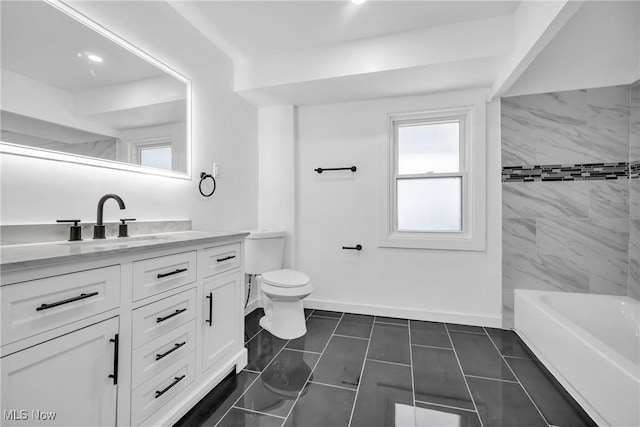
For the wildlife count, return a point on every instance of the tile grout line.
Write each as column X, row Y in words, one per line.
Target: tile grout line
column 364, row 362
column 506, row 356
column 304, row 351
column 413, row 385
column 349, row 336
column 312, row 369
column 446, row 406
column 390, row 363
column 433, row 346
column 257, row 412
column 519, row 382
column 325, row 317
column 391, row 323
column 256, row 334
column 467, row 332
column 238, row 399
column 492, row 379
column 252, row 383
column 332, row 385
column 455, row 352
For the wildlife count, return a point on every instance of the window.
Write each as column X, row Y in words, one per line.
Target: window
column 158, row 157
column 435, row 181
column 429, row 175
column 154, row 153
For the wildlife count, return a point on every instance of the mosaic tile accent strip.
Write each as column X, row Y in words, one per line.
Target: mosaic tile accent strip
column 577, row 172
column 634, row 169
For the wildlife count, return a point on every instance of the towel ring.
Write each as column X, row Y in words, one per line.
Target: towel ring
column 203, row 176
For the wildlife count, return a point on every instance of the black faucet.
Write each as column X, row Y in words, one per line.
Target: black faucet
column 98, row 230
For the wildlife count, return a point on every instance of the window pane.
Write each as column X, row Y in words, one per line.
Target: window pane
column 156, row 157
column 429, row 148
column 430, row 204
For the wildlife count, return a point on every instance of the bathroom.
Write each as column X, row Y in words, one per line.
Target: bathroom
column 275, row 95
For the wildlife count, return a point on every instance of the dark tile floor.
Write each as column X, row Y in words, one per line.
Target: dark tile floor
column 356, row 370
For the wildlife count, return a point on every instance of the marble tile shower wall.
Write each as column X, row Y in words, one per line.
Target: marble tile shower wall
column 634, row 192
column 573, row 236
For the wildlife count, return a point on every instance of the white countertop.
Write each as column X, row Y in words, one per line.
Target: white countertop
column 13, row 257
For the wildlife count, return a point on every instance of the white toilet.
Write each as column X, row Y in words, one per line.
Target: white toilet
column 282, row 290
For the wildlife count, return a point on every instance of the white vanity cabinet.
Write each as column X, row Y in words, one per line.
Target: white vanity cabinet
column 222, row 284
column 221, row 331
column 67, row 381
column 130, row 337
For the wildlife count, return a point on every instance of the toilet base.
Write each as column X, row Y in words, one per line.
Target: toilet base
column 284, row 319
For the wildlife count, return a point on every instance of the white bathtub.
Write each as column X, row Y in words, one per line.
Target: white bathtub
column 591, row 344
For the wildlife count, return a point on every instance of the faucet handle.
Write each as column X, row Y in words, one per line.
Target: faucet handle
column 123, row 229
column 75, row 231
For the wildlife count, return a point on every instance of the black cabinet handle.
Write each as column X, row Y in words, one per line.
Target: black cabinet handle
column 210, row 298
column 168, row 352
column 116, row 341
column 179, row 270
column 164, row 390
column 169, row 316
column 226, row 258
column 356, row 247
column 66, row 301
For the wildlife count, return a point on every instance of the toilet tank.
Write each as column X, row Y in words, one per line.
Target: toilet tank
column 263, row 251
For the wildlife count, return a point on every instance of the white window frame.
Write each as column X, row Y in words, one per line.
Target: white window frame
column 471, row 112
column 137, row 145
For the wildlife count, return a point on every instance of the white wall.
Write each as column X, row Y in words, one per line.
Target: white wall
column 276, row 176
column 599, row 46
column 32, row 98
column 224, row 130
column 340, row 208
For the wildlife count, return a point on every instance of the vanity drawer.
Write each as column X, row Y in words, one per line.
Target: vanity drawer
column 220, row 258
column 155, row 393
column 156, row 319
column 36, row 306
column 155, row 275
column 157, row 355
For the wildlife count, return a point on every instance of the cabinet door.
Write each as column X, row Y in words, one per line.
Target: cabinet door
column 65, row 381
column 221, row 317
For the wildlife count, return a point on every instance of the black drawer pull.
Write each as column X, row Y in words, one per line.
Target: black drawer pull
column 179, row 270
column 66, row 301
column 210, row 298
column 116, row 341
column 169, row 316
column 168, row 352
column 163, row 391
column 226, row 258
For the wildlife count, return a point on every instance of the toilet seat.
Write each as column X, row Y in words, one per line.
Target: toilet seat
column 285, row 278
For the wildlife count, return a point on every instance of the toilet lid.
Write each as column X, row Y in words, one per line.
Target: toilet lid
column 285, row 278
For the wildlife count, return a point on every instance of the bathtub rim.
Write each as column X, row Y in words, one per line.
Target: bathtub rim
column 531, row 300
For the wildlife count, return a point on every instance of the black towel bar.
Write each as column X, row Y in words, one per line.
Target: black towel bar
column 352, row 169
column 356, row 247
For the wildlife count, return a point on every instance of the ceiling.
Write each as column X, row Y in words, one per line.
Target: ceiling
column 246, row 29
column 44, row 44
column 304, row 52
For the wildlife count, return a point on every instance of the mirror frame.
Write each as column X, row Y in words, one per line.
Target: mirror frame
column 42, row 153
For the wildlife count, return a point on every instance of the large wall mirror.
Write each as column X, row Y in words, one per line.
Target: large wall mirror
column 73, row 91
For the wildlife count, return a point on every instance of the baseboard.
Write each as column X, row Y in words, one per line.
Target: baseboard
column 433, row 316
column 253, row 304
column 181, row 404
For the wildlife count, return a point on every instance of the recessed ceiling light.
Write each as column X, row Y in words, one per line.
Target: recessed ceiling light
column 94, row 58
column 358, row 1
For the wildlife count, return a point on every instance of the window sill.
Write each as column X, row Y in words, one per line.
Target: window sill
column 436, row 241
